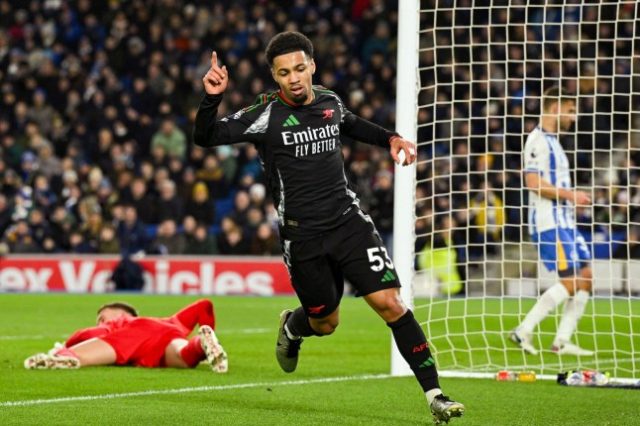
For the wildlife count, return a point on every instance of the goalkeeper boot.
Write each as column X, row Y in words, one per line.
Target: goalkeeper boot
column 216, row 356
column 287, row 349
column 443, row 409
column 566, row 348
column 50, row 361
column 523, row 340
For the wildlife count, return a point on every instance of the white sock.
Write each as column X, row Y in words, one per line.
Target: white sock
column 549, row 300
column 432, row 393
column 573, row 311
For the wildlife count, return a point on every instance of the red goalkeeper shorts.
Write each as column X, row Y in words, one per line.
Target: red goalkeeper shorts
column 142, row 341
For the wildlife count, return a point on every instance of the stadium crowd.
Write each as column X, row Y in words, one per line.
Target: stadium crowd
column 97, row 106
column 98, row 100
column 485, row 69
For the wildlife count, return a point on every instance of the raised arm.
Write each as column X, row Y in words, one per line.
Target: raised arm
column 208, row 130
column 216, row 79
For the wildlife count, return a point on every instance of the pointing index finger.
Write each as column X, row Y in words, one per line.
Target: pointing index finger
column 214, row 59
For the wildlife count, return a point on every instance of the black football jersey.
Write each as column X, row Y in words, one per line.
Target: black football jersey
column 300, row 149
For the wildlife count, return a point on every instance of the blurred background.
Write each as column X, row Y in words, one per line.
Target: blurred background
column 483, row 69
column 97, row 106
column 98, row 100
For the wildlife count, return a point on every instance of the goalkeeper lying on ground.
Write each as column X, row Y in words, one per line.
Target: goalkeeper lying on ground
column 123, row 338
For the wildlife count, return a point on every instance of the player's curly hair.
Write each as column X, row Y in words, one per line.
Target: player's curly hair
column 287, row 42
column 119, row 305
column 556, row 94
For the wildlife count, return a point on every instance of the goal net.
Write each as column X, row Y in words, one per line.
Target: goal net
column 482, row 68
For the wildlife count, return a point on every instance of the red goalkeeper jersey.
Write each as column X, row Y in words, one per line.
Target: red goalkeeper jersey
column 142, row 341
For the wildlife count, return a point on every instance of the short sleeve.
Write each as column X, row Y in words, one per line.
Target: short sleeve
column 536, row 155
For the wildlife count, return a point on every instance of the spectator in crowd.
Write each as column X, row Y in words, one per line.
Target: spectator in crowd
column 41, row 113
column 39, row 227
column 214, row 176
column 200, row 206
column 143, row 201
column 254, row 218
column 43, row 195
column 168, row 240
column 228, row 163
column 241, row 203
column 108, row 242
column 252, row 166
column 169, row 205
column 265, row 242
column 131, row 233
column 28, row 166
column 79, row 244
column 92, row 227
column 50, row 165
column 188, row 227
column 186, row 179
column 106, row 197
column 201, row 243
column 257, row 194
column 62, row 222
column 19, row 239
column 171, row 138
column 87, row 206
column 11, row 183
column 49, row 246
column 381, row 206
column 232, row 240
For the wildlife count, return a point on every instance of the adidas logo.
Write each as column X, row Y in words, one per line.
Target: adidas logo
column 428, row 363
column 388, row 276
column 291, row 121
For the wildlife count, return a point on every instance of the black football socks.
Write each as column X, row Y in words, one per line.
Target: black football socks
column 298, row 324
column 414, row 348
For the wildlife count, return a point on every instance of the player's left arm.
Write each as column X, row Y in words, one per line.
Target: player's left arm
column 363, row 130
column 86, row 334
column 536, row 163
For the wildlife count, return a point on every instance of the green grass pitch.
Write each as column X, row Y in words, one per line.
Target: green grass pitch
column 255, row 391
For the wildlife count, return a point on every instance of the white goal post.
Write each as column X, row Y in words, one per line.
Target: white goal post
column 407, row 87
column 469, row 79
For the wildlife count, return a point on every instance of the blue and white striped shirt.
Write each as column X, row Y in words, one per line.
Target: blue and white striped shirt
column 544, row 155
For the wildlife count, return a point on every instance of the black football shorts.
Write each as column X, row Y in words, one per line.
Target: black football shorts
column 318, row 266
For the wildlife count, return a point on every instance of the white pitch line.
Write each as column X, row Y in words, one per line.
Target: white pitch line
column 31, row 337
column 246, row 331
column 192, row 389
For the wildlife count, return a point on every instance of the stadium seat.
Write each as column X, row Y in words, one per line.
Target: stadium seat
column 151, row 231
column 223, row 207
